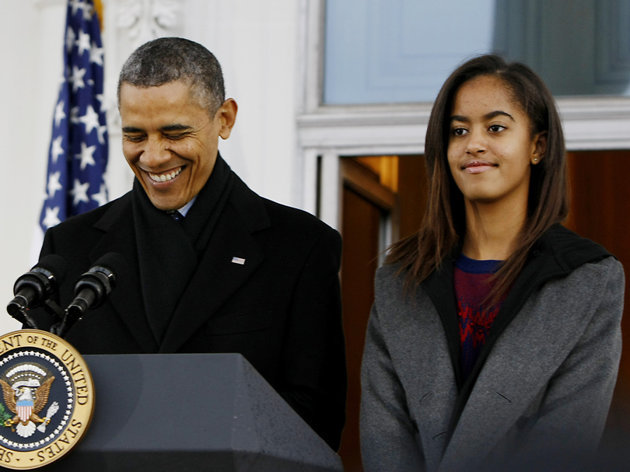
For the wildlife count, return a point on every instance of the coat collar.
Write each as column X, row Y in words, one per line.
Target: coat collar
column 557, row 253
column 119, row 237
column 215, row 280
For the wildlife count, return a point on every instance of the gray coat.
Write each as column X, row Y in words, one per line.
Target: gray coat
column 543, row 388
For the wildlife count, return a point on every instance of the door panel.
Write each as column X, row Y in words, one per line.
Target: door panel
column 377, row 191
column 600, row 210
column 361, row 222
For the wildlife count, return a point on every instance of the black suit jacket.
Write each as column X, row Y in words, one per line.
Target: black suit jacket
column 280, row 309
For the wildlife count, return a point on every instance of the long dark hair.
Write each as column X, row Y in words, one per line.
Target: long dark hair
column 444, row 222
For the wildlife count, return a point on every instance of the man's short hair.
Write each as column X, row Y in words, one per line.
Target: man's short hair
column 165, row 60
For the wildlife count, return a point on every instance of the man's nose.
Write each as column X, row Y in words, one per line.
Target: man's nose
column 155, row 153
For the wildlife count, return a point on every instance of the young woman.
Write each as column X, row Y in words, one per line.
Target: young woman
column 495, row 336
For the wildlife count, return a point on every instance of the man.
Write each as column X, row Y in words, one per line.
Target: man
column 239, row 274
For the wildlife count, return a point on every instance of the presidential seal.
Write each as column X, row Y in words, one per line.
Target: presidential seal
column 47, row 398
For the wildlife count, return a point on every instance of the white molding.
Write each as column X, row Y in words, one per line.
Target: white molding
column 309, row 185
column 365, row 130
column 331, row 187
column 590, row 123
column 594, row 123
column 311, row 73
column 593, row 107
column 143, row 20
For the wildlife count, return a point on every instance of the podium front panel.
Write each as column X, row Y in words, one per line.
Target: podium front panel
column 192, row 412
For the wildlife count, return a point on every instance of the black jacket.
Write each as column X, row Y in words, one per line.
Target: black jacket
column 280, row 308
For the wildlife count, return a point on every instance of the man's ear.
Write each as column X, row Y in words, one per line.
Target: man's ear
column 227, row 114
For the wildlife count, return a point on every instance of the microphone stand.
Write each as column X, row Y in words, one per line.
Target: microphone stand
column 21, row 314
column 25, row 318
column 61, row 328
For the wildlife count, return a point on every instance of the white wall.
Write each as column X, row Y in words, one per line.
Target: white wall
column 256, row 43
column 28, row 88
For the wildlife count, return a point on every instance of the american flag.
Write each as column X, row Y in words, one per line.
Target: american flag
column 77, row 158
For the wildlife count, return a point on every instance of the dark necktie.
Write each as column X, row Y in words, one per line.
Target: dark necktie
column 176, row 215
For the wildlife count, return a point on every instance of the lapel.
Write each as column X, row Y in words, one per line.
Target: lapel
column 434, row 380
column 218, row 274
column 439, row 288
column 126, row 298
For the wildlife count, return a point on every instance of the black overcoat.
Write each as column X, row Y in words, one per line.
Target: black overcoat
column 266, row 286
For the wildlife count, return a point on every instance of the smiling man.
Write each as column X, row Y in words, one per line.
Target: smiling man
column 239, row 273
column 170, row 137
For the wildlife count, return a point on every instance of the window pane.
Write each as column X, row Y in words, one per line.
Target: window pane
column 393, row 51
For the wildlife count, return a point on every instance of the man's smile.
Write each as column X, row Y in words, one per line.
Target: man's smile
column 166, row 176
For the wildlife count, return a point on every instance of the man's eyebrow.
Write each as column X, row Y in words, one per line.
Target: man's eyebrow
column 176, row 127
column 131, row 129
column 167, row 128
column 487, row 116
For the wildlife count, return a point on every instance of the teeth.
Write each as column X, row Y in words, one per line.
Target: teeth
column 165, row 177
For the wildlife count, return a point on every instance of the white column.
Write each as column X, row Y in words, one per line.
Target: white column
column 330, row 196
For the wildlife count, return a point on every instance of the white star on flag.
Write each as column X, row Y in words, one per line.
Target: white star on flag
column 70, row 37
column 101, row 196
column 74, row 115
column 77, row 5
column 96, row 55
column 51, row 218
column 87, row 155
column 54, row 184
column 59, row 114
column 101, row 134
column 90, row 119
column 79, row 192
column 57, row 149
column 77, row 78
column 83, row 43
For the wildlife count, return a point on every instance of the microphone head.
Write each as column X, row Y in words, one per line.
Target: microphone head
column 54, row 264
column 112, row 261
column 107, row 269
column 97, row 283
column 45, row 275
column 36, row 286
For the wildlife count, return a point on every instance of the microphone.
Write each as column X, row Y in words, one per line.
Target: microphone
column 36, row 287
column 92, row 288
